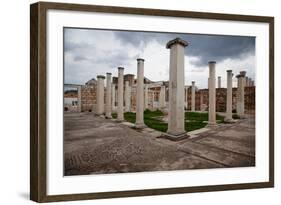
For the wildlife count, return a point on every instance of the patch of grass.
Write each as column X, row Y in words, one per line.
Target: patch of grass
column 190, row 126
column 151, row 119
column 156, row 113
column 196, row 116
column 196, row 120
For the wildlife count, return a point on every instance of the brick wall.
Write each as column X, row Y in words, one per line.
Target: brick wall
column 88, row 100
column 88, row 97
column 202, row 97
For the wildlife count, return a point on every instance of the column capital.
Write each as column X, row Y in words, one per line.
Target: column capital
column 243, row 73
column 101, row 76
column 229, row 71
column 140, row 59
column 193, row 82
column 120, row 68
column 177, row 41
column 239, row 76
column 212, row 62
column 108, row 73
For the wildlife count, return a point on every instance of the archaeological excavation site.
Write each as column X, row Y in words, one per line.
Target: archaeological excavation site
column 140, row 119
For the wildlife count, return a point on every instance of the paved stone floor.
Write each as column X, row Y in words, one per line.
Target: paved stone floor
column 96, row 145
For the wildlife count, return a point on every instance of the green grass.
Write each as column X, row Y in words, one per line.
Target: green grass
column 195, row 116
column 151, row 119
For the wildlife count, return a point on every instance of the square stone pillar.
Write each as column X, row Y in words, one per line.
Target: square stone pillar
column 113, row 87
column 176, row 128
column 228, row 117
column 79, row 88
column 219, row 81
column 120, row 108
column 193, row 97
column 162, row 102
column 212, row 94
column 241, row 94
column 100, row 95
column 108, row 106
column 140, row 95
column 127, row 97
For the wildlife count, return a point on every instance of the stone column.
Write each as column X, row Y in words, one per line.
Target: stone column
column 108, row 106
column 120, row 108
column 201, row 101
column 212, row 93
column 176, row 128
column 228, row 117
column 127, row 97
column 247, row 82
column 139, row 103
column 113, row 96
column 186, row 97
column 219, row 81
column 152, row 99
column 100, row 95
column 146, row 96
column 240, row 94
column 193, row 97
column 79, row 98
column 250, row 82
column 162, row 97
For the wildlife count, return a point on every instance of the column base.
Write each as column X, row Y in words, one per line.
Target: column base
column 139, row 125
column 229, row 121
column 99, row 115
column 175, row 137
column 108, row 117
column 242, row 117
column 119, row 120
column 212, row 124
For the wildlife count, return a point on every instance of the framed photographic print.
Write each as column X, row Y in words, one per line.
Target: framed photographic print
column 134, row 102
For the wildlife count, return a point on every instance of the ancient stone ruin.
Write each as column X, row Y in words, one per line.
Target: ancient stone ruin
column 127, row 93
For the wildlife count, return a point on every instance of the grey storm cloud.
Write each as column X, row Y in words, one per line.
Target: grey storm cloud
column 205, row 47
column 116, row 58
column 72, row 46
column 91, row 51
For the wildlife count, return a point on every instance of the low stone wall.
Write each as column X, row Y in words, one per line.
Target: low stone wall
column 202, row 97
column 88, row 99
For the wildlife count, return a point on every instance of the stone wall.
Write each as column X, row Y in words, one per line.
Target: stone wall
column 88, row 97
column 202, row 98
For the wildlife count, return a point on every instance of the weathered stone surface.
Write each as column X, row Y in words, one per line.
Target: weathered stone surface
column 94, row 145
column 212, row 94
column 176, row 88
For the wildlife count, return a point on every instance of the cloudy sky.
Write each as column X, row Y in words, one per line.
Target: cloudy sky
column 91, row 52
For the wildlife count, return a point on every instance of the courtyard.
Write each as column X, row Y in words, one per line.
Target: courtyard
column 94, row 145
